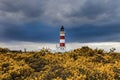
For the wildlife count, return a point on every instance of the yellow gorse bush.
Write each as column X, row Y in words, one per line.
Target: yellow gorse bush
column 80, row 64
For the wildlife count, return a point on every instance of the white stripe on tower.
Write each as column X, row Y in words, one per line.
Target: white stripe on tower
column 62, row 40
column 62, row 34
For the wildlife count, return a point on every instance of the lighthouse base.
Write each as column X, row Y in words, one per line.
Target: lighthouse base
column 61, row 49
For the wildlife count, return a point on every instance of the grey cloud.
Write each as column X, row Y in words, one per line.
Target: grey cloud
column 32, row 33
column 71, row 13
column 95, row 12
column 22, row 11
column 28, row 6
column 92, row 33
column 57, row 12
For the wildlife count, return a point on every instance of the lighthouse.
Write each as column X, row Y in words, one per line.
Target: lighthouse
column 62, row 47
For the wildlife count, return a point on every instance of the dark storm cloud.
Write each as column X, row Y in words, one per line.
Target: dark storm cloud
column 91, row 33
column 67, row 12
column 36, row 20
column 95, row 12
column 32, row 33
column 84, row 33
column 29, row 8
column 92, row 10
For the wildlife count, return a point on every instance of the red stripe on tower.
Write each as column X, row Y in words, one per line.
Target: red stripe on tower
column 62, row 44
column 62, row 38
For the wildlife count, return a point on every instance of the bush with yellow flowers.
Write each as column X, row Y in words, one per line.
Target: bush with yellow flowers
column 80, row 64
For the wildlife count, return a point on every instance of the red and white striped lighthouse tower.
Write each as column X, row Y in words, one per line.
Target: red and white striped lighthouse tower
column 62, row 40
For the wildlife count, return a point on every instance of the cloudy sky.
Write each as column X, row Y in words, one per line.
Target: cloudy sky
column 35, row 23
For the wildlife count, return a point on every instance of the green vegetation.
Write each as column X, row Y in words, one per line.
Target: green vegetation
column 80, row 64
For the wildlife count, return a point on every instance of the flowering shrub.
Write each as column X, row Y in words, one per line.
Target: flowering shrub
column 80, row 64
